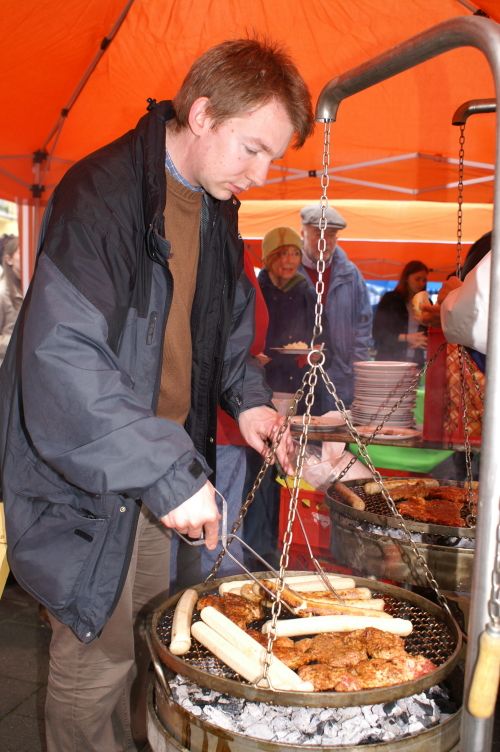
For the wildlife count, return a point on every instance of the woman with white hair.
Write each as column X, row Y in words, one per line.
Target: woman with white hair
column 10, row 290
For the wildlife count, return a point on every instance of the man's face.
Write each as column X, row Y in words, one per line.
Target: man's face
column 237, row 154
column 311, row 235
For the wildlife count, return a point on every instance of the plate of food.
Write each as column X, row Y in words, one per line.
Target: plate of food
column 333, row 419
column 296, row 348
column 389, row 433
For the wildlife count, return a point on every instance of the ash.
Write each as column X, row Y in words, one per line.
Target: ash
column 366, row 724
column 437, row 540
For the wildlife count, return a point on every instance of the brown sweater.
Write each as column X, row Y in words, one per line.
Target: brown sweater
column 182, row 223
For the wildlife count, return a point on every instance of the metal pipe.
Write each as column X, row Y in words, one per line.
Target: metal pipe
column 473, row 107
column 476, row 734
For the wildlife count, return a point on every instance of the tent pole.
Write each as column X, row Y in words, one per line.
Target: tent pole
column 476, row 733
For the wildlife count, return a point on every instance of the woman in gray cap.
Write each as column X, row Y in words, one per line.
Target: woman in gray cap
column 290, row 304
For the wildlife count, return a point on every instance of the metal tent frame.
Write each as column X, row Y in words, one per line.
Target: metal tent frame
column 483, row 34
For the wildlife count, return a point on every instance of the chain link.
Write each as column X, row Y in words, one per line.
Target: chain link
column 400, row 521
column 460, row 198
column 467, row 511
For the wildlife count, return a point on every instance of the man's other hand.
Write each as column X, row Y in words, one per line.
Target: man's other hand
column 259, row 426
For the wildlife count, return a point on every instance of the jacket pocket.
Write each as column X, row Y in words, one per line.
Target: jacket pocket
column 53, row 555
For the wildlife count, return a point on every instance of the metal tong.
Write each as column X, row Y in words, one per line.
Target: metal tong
column 319, row 569
column 225, row 539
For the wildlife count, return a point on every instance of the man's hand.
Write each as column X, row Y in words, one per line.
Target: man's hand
column 196, row 514
column 259, row 426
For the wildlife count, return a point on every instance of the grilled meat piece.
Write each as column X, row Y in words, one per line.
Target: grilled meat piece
column 434, row 511
column 240, row 610
column 324, row 678
column 284, row 648
column 407, row 490
column 341, row 662
column 335, row 651
column 453, row 493
column 413, row 666
column 383, row 645
column 376, row 672
column 439, row 506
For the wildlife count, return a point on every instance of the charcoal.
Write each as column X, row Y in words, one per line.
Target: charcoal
column 304, row 726
column 261, row 730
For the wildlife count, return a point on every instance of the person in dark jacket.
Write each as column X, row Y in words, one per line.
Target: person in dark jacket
column 345, row 299
column 397, row 335
column 137, row 323
column 290, row 304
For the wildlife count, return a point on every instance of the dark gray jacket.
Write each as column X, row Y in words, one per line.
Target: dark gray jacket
column 80, row 445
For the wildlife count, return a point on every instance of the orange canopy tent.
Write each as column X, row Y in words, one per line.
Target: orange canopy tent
column 75, row 75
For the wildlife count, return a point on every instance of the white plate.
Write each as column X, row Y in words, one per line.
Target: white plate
column 384, row 365
column 293, row 351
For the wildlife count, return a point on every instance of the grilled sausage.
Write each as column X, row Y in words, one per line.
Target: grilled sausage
column 180, row 642
column 317, row 624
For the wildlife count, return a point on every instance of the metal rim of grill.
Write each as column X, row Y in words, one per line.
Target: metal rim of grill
column 378, row 512
column 435, row 634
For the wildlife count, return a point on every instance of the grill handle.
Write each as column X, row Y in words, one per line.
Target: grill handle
column 484, row 684
column 157, row 665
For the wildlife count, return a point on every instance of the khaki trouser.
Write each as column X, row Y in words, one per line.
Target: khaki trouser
column 96, row 693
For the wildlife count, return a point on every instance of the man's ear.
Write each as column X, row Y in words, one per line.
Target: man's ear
column 199, row 119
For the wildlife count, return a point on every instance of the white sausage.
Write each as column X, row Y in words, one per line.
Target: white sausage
column 307, row 583
column 316, row 624
column 248, row 663
column 180, row 639
column 279, row 672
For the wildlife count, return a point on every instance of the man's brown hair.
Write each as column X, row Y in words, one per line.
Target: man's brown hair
column 243, row 74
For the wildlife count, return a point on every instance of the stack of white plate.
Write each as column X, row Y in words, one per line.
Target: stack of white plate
column 378, row 385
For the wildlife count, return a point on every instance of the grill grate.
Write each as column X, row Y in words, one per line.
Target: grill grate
column 435, row 635
column 430, row 637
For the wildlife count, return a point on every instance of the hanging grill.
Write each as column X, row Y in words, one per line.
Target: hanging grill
column 369, row 541
column 435, row 635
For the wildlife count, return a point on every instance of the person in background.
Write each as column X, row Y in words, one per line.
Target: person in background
column 463, row 303
column 138, row 323
column 11, row 296
column 347, row 309
column 290, row 303
column 397, row 335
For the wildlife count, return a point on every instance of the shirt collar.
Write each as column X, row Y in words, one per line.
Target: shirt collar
column 172, row 170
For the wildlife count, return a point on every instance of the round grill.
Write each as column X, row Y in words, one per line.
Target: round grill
column 435, row 635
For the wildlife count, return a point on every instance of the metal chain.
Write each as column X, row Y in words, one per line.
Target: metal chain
column 460, row 197
column 316, row 361
column 469, row 363
column 392, row 506
column 467, row 511
column 320, row 264
column 311, row 379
